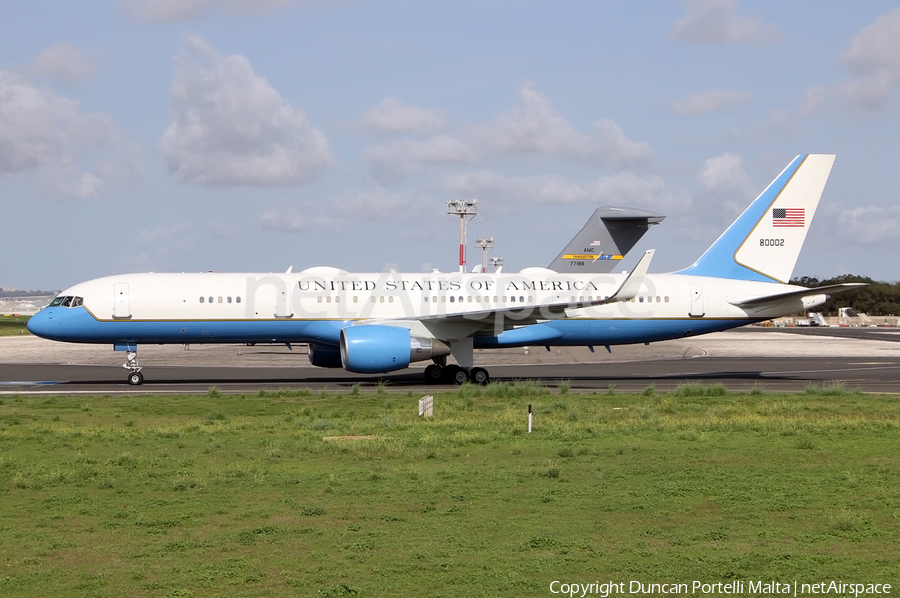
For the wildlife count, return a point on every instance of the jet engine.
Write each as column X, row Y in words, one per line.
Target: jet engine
column 372, row 349
column 325, row 356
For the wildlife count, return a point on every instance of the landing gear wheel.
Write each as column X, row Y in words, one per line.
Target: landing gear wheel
column 479, row 376
column 456, row 375
column 135, row 378
column 434, row 374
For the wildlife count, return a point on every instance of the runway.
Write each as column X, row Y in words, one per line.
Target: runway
column 867, row 359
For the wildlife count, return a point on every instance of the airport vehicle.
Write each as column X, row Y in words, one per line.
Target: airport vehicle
column 382, row 322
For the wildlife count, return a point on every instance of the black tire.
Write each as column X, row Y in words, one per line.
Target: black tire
column 434, row 374
column 135, row 378
column 479, row 376
column 457, row 375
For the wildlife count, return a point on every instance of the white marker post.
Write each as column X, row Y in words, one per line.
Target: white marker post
column 529, row 418
column 426, row 406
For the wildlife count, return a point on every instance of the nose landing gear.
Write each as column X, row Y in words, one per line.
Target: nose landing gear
column 135, row 377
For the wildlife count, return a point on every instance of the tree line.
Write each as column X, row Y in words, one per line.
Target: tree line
column 876, row 299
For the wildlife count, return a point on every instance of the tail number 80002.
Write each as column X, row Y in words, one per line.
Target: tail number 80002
column 771, row 242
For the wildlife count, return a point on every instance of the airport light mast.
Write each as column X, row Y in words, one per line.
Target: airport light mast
column 466, row 209
column 496, row 262
column 486, row 244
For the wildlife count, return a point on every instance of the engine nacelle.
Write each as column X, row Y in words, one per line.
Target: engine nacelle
column 373, row 349
column 325, row 356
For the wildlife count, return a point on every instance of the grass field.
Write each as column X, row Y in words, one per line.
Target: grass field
column 225, row 495
column 13, row 325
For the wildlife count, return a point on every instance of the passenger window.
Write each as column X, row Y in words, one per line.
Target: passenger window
column 667, row 299
column 327, row 299
column 318, row 300
column 381, row 299
column 210, row 299
column 391, row 299
column 640, row 299
column 202, row 300
column 237, row 299
column 220, row 300
column 355, row 299
column 470, row 298
column 337, row 299
column 227, row 299
column 513, row 299
column 521, row 299
column 452, row 298
column 434, row 299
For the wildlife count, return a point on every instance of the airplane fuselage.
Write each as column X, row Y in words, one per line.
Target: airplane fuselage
column 314, row 305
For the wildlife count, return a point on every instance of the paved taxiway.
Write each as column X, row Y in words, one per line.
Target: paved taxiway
column 774, row 359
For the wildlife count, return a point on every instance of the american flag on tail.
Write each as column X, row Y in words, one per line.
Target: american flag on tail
column 788, row 217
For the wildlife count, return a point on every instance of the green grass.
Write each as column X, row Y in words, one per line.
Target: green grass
column 218, row 494
column 13, row 325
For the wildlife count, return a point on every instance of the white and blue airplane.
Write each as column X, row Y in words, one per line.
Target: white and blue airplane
column 382, row 322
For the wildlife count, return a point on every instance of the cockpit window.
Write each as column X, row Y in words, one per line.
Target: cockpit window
column 67, row 301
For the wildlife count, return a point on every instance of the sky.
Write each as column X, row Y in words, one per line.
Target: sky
column 257, row 135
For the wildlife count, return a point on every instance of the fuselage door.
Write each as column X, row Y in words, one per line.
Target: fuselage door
column 283, row 300
column 696, row 301
column 121, row 301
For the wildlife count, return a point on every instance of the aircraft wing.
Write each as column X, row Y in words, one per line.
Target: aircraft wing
column 604, row 240
column 779, row 297
column 461, row 324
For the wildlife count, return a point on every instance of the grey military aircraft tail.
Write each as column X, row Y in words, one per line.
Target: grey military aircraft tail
column 608, row 235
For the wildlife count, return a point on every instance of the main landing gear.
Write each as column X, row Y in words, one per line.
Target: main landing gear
column 453, row 374
column 135, row 377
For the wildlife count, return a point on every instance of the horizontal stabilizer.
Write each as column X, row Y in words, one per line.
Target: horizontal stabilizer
column 778, row 297
column 604, row 240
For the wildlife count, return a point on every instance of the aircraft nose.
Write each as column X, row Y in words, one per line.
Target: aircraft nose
column 37, row 324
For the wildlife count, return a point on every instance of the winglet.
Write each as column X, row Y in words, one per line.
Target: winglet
column 632, row 284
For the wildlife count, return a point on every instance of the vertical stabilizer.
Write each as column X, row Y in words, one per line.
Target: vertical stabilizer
column 603, row 241
column 764, row 242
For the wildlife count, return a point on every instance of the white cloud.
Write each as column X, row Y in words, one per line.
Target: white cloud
column 393, row 116
column 63, row 63
column 377, row 203
column 867, row 225
column 232, row 127
column 402, row 158
column 724, row 173
column 813, row 98
column 714, row 21
column 175, row 11
column 291, row 221
column 715, row 100
column 534, row 127
column 75, row 154
column 873, row 56
column 623, row 188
